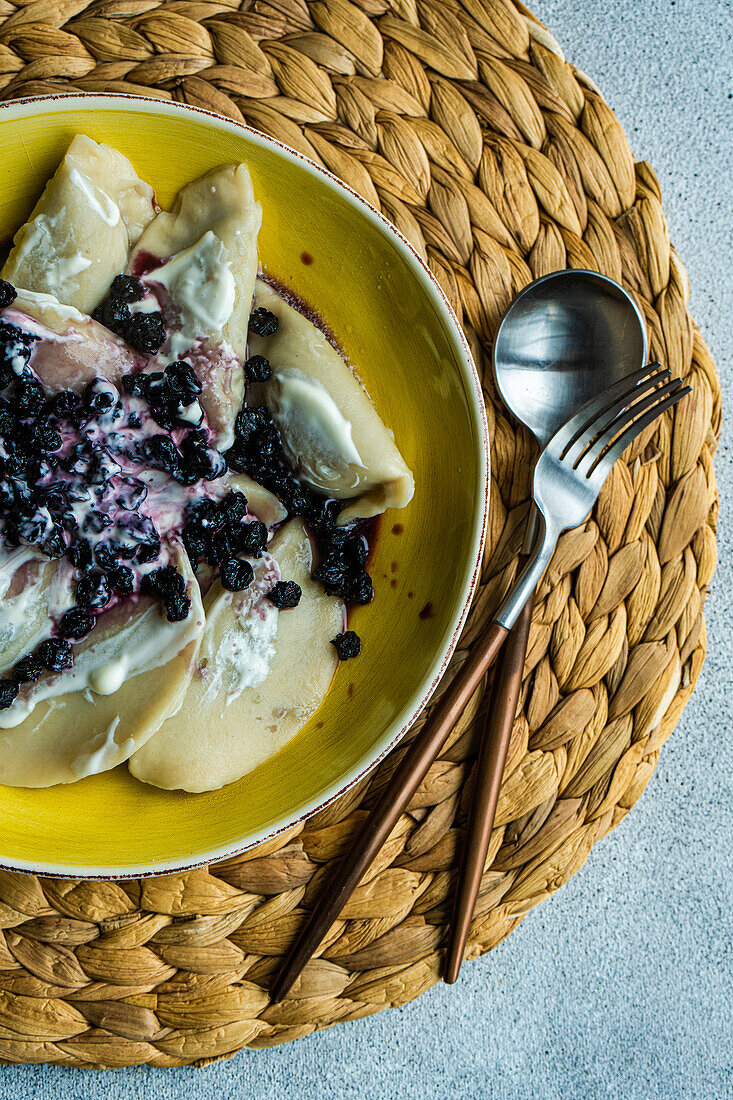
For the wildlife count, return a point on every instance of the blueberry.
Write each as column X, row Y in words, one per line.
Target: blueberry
column 263, row 322
column 55, row 654
column 7, row 494
column 201, row 460
column 205, row 514
column 183, row 380
column 8, row 693
column 165, row 583
column 294, row 496
column 80, row 554
column 177, row 608
column 249, row 538
column 212, row 465
column 99, row 396
column 285, row 594
column 143, row 531
column 164, row 417
column 249, row 421
column 238, row 459
column 194, row 541
column 105, row 556
column 46, row 438
column 359, row 589
column 234, row 507
column 127, row 288
column 80, row 416
column 8, row 294
column 78, row 460
column 159, row 390
column 92, row 590
column 121, row 580
column 357, row 551
column 39, row 468
column 145, row 331
column 54, row 545
column 16, row 459
column 114, row 314
column 63, row 404
column 332, row 576
column 219, row 547
column 76, row 623
column 160, row 451
column 30, row 397
column 133, row 420
column 135, row 384
column 147, row 551
column 257, row 369
column 347, row 645
column 235, row 575
column 27, row 668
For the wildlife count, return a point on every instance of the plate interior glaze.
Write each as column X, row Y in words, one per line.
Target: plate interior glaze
column 393, row 323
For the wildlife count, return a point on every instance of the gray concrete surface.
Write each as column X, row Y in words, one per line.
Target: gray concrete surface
column 621, row 985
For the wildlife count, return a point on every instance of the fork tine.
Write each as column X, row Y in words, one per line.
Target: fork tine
column 605, row 430
column 601, row 467
column 585, row 438
column 593, row 408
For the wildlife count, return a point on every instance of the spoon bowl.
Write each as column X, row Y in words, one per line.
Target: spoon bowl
column 565, row 339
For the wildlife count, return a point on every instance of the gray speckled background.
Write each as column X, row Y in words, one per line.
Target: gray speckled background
column 622, row 984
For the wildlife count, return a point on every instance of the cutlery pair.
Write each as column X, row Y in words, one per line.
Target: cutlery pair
column 567, row 480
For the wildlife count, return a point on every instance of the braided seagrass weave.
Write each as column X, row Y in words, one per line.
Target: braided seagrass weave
column 460, row 120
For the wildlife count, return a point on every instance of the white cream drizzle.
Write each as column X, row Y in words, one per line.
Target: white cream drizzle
column 316, row 435
column 104, row 753
column 244, row 654
column 98, row 199
column 201, row 285
column 41, row 238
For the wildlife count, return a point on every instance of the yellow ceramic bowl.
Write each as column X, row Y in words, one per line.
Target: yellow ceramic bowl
column 396, row 325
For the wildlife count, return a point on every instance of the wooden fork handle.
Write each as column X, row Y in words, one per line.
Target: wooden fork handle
column 489, row 771
column 394, row 799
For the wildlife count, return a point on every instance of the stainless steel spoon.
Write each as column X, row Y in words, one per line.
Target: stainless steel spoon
column 565, row 339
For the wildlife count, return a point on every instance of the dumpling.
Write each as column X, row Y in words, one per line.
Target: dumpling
column 80, row 232
column 72, row 349
column 332, row 433
column 129, row 675
column 224, row 729
column 201, row 260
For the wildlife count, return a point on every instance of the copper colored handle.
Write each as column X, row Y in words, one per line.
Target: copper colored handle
column 489, row 771
column 396, row 796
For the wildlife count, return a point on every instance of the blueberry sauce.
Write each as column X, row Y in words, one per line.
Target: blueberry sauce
column 113, row 478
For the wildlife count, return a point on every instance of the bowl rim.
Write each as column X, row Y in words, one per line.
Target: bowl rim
column 54, row 103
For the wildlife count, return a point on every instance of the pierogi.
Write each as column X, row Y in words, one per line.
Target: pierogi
column 184, row 482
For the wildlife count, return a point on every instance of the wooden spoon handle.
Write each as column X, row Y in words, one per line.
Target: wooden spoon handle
column 489, row 771
column 395, row 797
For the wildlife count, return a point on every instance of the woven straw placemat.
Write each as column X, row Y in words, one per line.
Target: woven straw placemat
column 500, row 162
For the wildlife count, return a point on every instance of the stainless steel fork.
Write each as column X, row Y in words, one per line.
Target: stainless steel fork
column 567, row 481
column 575, row 463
